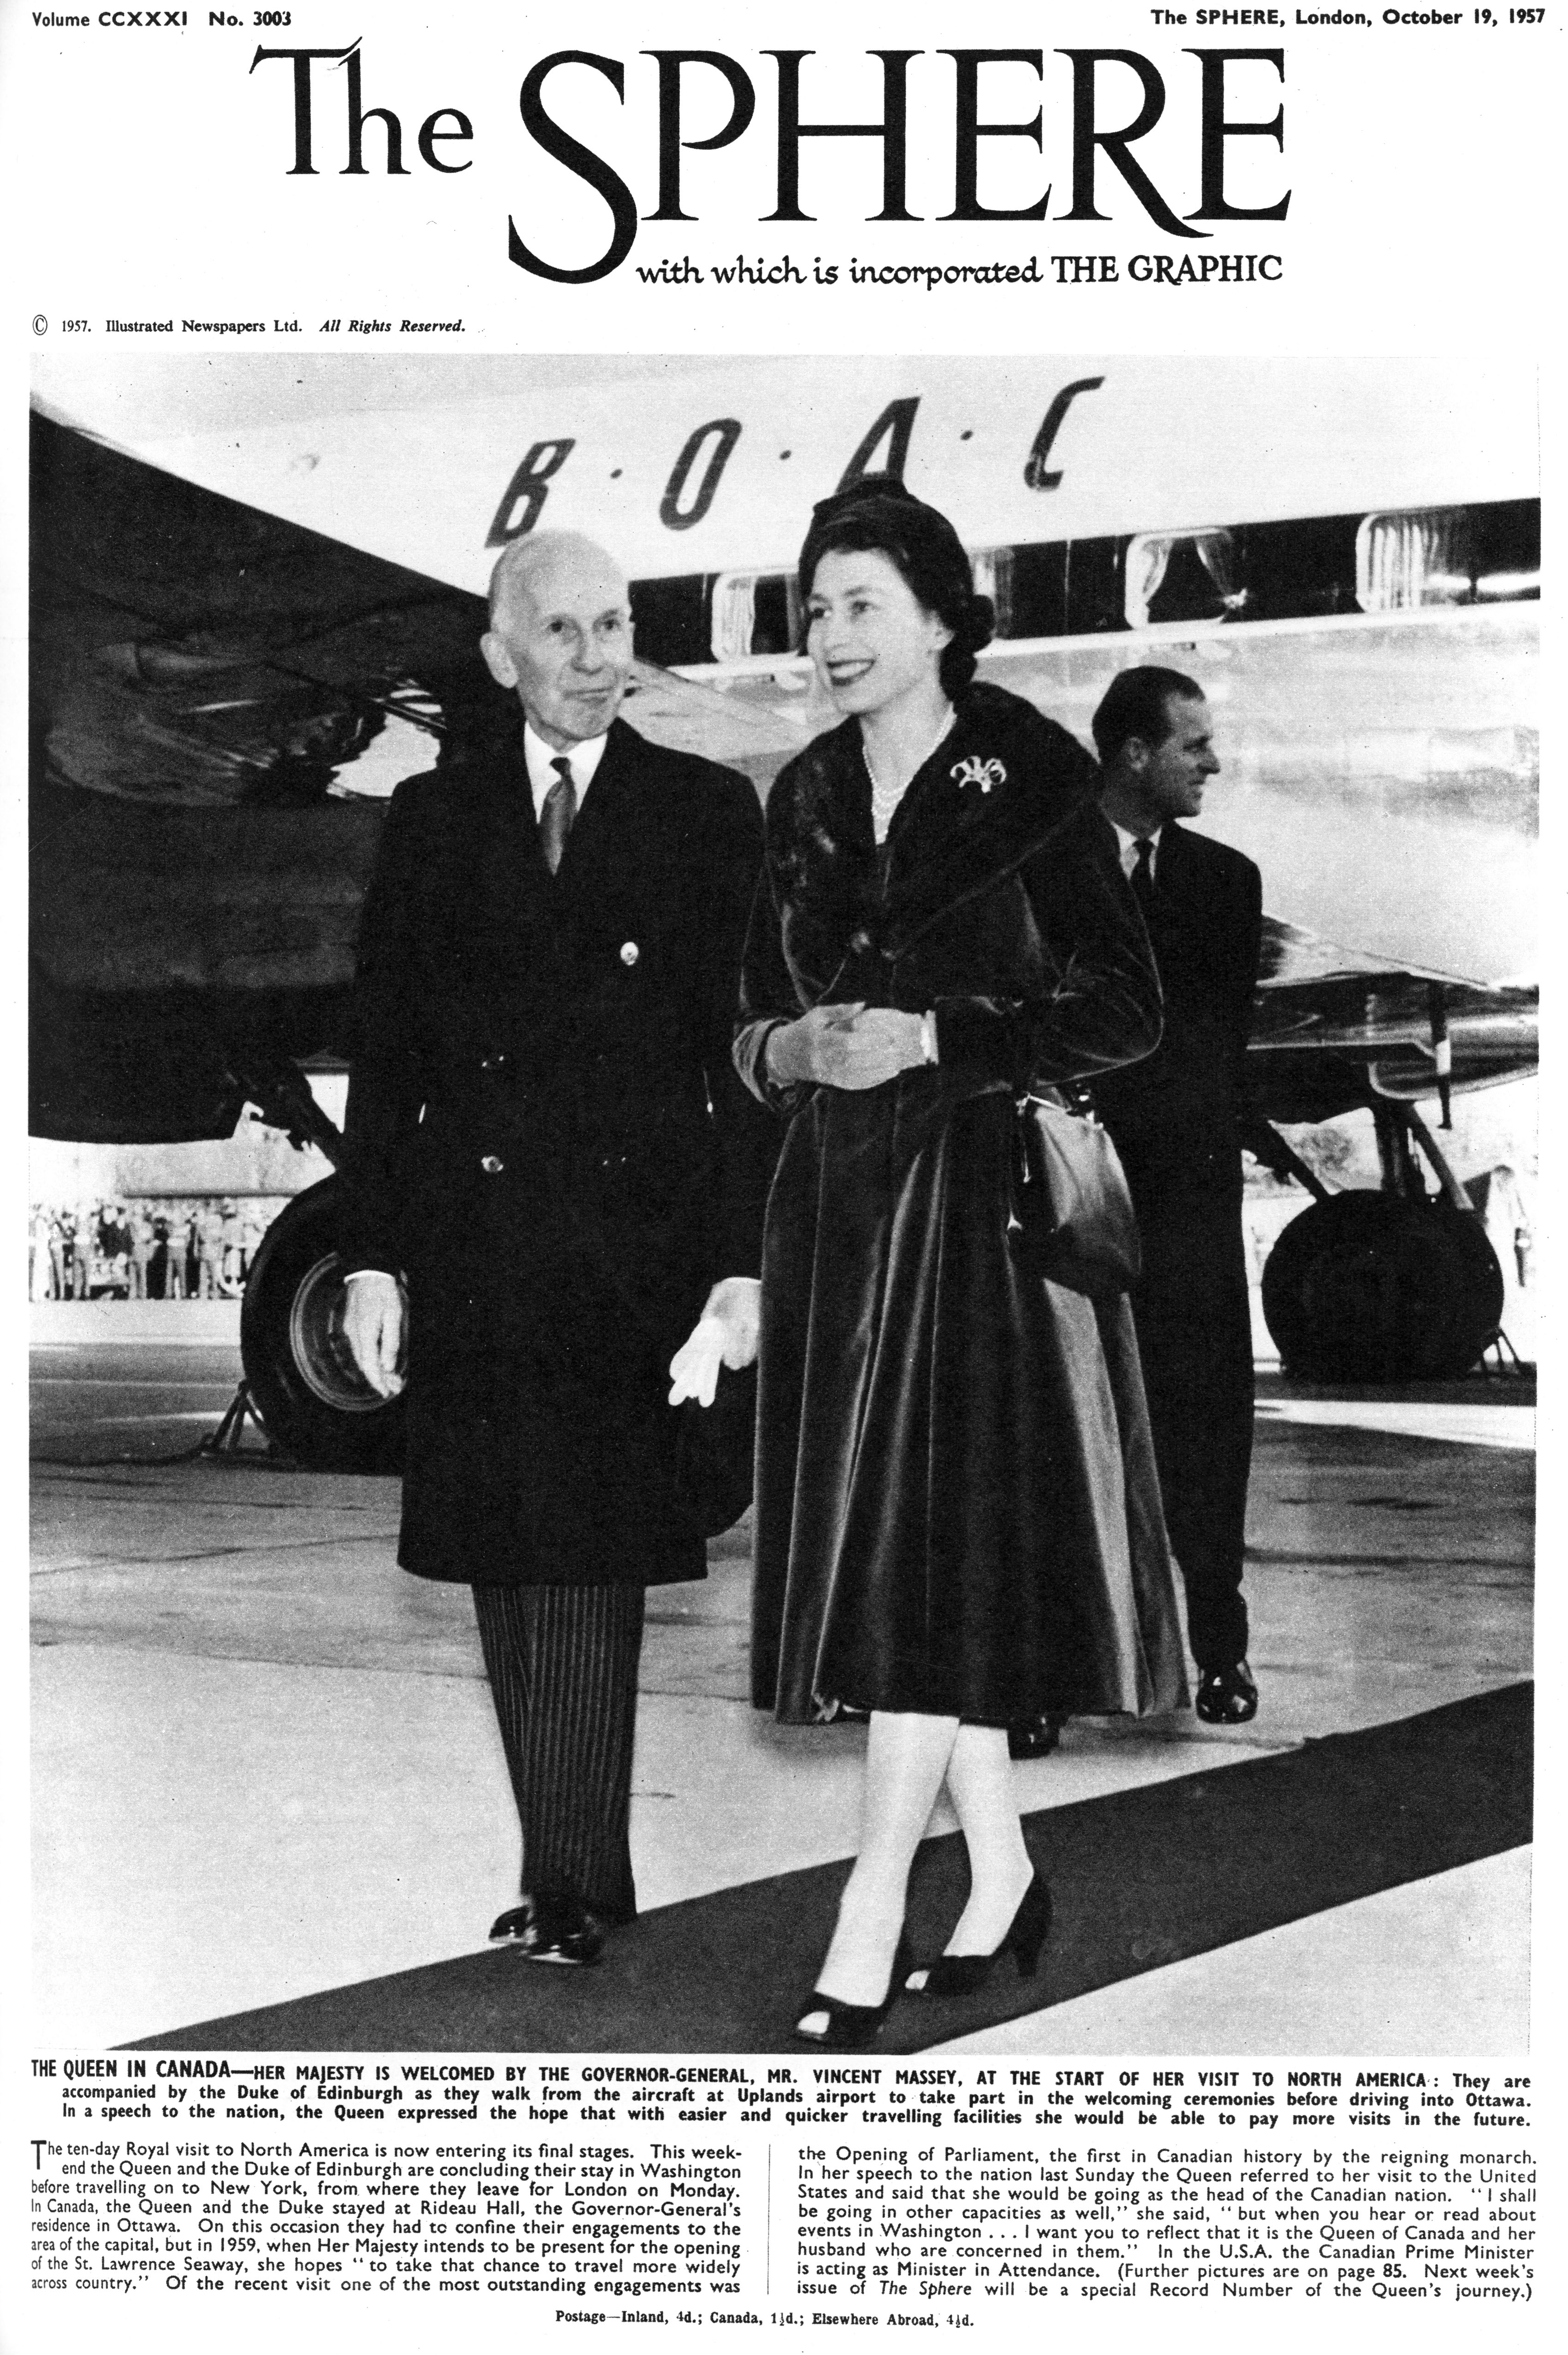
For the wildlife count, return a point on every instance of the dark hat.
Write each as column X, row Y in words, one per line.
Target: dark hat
column 714, row 1446
column 878, row 512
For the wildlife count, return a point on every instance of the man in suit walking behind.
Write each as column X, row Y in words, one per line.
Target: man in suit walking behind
column 546, row 1135
column 1174, row 1119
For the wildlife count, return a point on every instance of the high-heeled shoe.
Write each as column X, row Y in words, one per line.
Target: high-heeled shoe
column 850, row 2026
column 952, row 1974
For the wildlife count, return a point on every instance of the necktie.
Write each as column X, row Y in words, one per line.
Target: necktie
column 1142, row 876
column 560, row 808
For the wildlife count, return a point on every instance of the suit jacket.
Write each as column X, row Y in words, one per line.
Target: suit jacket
column 546, row 1133
column 1175, row 1115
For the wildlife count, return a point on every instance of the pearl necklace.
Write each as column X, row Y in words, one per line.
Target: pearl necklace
column 885, row 799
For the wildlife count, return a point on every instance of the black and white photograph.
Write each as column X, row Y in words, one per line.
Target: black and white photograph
column 1050, row 775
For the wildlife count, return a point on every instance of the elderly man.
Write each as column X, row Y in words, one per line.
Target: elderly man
column 1175, row 1119
column 547, row 1137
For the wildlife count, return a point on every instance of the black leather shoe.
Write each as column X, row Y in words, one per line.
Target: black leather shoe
column 952, row 1974
column 549, row 1930
column 850, row 2026
column 1036, row 1737
column 1227, row 1696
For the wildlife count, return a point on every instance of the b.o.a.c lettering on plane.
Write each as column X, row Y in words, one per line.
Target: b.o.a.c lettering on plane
column 699, row 466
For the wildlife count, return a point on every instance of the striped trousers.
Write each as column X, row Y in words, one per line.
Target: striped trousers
column 562, row 1664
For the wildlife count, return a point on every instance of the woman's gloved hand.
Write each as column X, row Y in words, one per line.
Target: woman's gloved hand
column 848, row 1046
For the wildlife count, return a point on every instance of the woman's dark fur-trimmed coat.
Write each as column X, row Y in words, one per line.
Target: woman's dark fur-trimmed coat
column 547, row 1134
column 956, row 1508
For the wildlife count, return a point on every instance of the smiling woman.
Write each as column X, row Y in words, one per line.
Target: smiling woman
column 873, row 641
column 957, row 1524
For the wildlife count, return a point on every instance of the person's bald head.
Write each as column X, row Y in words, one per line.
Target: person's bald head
column 560, row 633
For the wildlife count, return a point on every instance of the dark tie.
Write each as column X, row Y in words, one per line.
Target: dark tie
column 560, row 808
column 1142, row 876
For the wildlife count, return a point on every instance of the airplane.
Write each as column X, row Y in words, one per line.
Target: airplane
column 257, row 592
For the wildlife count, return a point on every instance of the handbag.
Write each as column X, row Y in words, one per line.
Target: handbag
column 1070, row 1216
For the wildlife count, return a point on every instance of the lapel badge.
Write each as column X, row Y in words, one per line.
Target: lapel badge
column 972, row 771
column 630, row 952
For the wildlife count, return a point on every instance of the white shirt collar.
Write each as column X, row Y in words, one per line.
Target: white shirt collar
column 1127, row 842
column 541, row 759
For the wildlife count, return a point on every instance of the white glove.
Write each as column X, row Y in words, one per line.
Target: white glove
column 724, row 1334
column 694, row 1368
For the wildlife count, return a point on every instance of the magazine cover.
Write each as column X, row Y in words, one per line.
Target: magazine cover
column 779, row 1004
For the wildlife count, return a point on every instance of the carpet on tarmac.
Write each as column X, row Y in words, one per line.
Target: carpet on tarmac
column 1140, row 1879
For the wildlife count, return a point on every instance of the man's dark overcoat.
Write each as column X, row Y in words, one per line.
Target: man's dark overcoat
column 1175, row 1121
column 956, row 1505
column 546, row 1134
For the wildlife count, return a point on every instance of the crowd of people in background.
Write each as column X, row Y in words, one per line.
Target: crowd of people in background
column 201, row 1248
column 158, row 1249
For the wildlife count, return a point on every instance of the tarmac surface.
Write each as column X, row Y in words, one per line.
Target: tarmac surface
column 264, row 1764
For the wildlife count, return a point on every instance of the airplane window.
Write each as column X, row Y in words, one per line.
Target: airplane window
column 671, row 619
column 1183, row 576
column 1300, row 569
column 777, row 628
column 1093, row 586
column 735, row 615
column 1449, row 555
column 755, row 613
column 994, row 579
column 1506, row 547
column 1421, row 557
column 1037, row 597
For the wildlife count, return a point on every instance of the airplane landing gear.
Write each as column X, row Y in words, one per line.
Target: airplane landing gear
column 311, row 1397
column 1393, row 1286
column 1367, row 1288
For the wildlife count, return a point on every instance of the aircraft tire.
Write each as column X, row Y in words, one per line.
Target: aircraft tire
column 311, row 1397
column 1368, row 1288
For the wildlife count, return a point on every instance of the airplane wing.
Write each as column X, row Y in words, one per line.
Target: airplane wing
column 206, row 680
column 1332, row 1032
